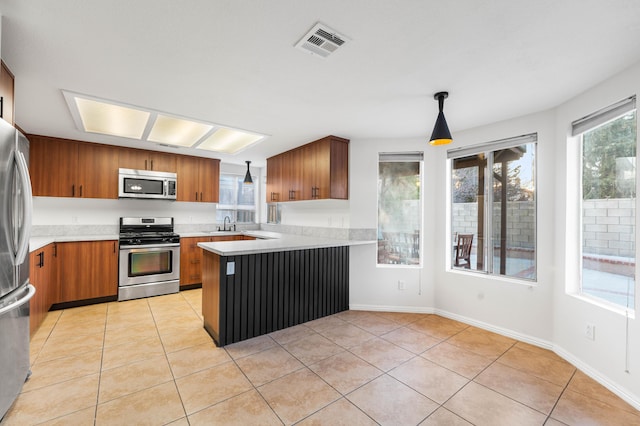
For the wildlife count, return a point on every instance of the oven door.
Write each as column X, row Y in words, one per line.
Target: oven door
column 149, row 264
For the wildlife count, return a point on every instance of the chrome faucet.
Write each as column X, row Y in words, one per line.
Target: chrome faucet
column 224, row 224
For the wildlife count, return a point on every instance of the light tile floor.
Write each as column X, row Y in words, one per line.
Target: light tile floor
column 149, row 361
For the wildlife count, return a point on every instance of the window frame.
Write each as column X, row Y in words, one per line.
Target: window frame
column 579, row 127
column 236, row 207
column 488, row 149
column 411, row 156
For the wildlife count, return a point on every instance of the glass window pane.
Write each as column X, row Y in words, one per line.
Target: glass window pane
column 399, row 212
column 493, row 209
column 235, row 195
column 467, row 213
column 608, row 211
column 514, row 212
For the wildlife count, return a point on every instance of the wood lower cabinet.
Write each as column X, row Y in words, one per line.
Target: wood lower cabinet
column 316, row 171
column 87, row 270
column 67, row 168
column 191, row 256
column 198, row 179
column 6, row 94
column 140, row 159
column 43, row 276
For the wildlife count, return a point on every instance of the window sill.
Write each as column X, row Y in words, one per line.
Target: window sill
column 616, row 309
column 486, row 275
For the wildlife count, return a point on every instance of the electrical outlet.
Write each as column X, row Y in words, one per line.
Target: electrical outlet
column 590, row 331
column 401, row 285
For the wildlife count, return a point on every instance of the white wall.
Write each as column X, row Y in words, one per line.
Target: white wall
column 545, row 312
column 606, row 356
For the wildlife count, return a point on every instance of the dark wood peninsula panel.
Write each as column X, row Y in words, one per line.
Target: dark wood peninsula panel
column 254, row 294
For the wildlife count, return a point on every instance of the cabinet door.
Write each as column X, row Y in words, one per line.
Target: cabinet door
column 188, row 178
column 339, row 174
column 209, row 180
column 322, row 172
column 87, row 270
column 6, row 93
column 52, row 165
column 97, row 171
column 42, row 276
column 38, row 301
column 309, row 171
column 191, row 260
column 274, row 179
column 130, row 158
column 162, row 162
column 296, row 167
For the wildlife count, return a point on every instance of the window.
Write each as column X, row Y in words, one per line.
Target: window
column 399, row 208
column 493, row 207
column 237, row 199
column 608, row 199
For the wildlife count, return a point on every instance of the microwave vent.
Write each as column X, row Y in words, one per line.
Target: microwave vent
column 321, row 41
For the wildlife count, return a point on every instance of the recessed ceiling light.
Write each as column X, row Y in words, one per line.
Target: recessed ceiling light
column 111, row 119
column 229, row 141
column 177, row 131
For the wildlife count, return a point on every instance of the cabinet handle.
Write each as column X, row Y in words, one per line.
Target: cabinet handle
column 80, row 190
column 201, row 198
column 41, row 261
column 1, row 106
column 114, row 246
column 196, row 195
column 73, row 190
column 145, row 165
column 151, row 164
column 55, row 250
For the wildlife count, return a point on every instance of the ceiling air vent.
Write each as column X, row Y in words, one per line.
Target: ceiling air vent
column 321, row 40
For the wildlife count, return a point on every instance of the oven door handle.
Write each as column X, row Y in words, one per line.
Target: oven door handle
column 149, row 246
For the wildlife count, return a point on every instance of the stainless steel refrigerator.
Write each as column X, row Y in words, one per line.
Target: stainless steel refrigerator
column 15, row 290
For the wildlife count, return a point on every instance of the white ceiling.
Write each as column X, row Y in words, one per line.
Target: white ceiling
column 233, row 62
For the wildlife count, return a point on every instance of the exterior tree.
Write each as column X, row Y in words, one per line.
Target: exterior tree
column 608, row 158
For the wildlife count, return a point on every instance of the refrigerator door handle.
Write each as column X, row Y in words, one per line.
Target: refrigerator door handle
column 25, row 232
column 31, row 291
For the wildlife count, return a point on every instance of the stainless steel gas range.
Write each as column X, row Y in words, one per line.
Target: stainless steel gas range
column 149, row 261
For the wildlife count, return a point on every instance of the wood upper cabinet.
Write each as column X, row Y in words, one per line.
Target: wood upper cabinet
column 42, row 274
column 139, row 159
column 198, row 179
column 315, row 171
column 274, row 179
column 6, row 93
column 66, row 168
column 87, row 270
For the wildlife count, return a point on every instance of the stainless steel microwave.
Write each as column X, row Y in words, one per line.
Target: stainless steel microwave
column 147, row 184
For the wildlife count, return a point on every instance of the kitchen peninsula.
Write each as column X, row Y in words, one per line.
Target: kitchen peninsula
column 251, row 288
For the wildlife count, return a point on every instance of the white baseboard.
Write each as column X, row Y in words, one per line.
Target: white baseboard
column 628, row 397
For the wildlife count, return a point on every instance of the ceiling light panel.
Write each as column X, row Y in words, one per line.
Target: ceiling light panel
column 177, row 131
column 229, row 141
column 111, row 119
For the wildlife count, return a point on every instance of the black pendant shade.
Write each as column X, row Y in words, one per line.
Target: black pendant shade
column 441, row 134
column 247, row 177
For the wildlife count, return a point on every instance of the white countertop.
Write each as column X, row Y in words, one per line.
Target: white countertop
column 36, row 243
column 272, row 241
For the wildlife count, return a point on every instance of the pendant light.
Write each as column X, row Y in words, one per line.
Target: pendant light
column 441, row 134
column 247, row 177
